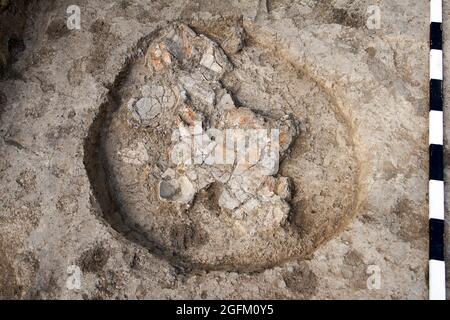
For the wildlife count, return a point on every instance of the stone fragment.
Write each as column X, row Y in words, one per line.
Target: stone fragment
column 278, row 216
column 167, row 190
column 234, row 41
column 155, row 100
column 159, row 57
column 136, row 155
column 248, row 207
column 227, row 201
column 225, row 103
column 213, row 58
column 221, row 175
column 243, row 118
column 190, row 116
column 198, row 88
column 209, row 61
column 179, row 190
column 269, row 163
column 181, row 46
column 147, row 108
column 287, row 132
column 284, row 188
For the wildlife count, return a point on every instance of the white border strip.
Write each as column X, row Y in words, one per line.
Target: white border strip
column 436, row 11
column 436, row 71
column 437, row 280
column 436, row 199
column 436, row 122
column 437, row 273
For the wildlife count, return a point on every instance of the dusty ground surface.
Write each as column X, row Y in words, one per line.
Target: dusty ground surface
column 79, row 182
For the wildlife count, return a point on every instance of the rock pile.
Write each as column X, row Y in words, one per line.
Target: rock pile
column 213, row 141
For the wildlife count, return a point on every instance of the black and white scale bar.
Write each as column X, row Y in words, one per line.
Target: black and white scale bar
column 436, row 184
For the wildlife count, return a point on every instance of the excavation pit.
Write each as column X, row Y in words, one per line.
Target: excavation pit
column 200, row 213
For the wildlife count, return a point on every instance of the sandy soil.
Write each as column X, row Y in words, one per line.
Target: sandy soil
column 70, row 206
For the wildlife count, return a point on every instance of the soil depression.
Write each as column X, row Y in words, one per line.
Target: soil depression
column 126, row 160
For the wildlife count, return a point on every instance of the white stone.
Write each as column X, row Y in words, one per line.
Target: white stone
column 226, row 201
column 269, row 163
column 147, row 108
column 187, row 190
column 198, row 88
column 226, row 102
column 209, row 62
